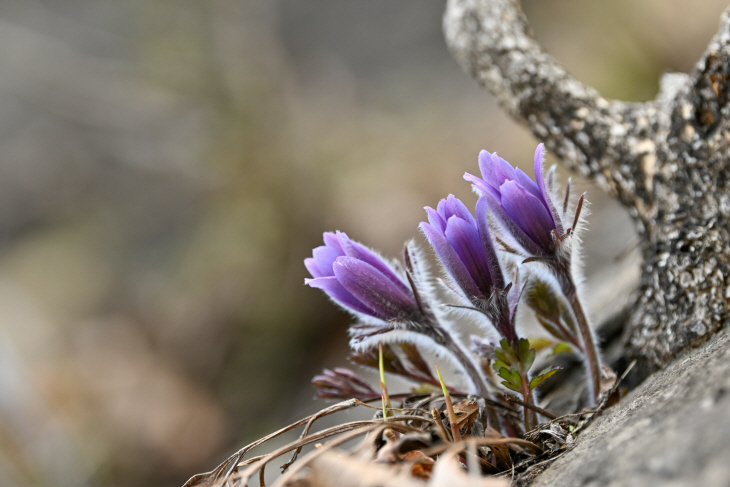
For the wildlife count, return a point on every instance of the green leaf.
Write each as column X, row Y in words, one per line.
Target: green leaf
column 536, row 381
column 501, row 356
column 529, row 360
column 561, row 347
column 523, row 347
column 512, row 386
column 498, row 364
column 511, row 376
column 509, row 353
column 551, row 328
column 552, row 307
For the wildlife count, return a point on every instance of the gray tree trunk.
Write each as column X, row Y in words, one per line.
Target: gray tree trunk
column 666, row 160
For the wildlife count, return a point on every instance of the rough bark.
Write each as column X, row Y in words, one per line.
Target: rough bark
column 666, row 160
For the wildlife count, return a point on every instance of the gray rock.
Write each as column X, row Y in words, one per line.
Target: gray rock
column 672, row 430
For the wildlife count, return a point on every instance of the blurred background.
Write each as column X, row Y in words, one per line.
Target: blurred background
column 165, row 167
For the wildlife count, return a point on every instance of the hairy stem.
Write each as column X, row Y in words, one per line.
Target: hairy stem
column 589, row 350
column 530, row 419
column 471, row 370
column 480, row 385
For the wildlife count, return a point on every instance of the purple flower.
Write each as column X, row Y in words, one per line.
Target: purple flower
column 464, row 246
column 359, row 280
column 521, row 206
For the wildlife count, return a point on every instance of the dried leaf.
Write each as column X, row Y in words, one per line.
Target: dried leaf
column 608, row 379
column 466, row 412
column 422, row 464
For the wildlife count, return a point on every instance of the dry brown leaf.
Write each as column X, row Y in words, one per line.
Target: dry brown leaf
column 608, row 379
column 394, row 449
column 422, row 464
column 466, row 412
column 501, row 452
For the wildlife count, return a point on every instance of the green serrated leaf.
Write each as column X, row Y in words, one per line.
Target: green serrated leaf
column 501, row 356
column 512, row 386
column 529, row 360
column 511, row 376
column 498, row 364
column 509, row 353
column 536, row 381
column 523, row 347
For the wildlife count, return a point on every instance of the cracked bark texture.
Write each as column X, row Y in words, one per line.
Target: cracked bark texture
column 666, row 160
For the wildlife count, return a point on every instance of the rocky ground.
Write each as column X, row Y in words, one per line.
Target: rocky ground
column 672, row 430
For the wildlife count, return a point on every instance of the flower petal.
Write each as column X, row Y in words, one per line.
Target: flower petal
column 529, row 213
column 312, row 267
column 457, row 208
column 325, row 256
column 339, row 294
column 528, row 246
column 495, row 268
column 495, row 170
column 527, row 183
column 359, row 251
column 450, row 259
column 481, row 186
column 435, row 219
column 545, row 196
column 331, row 240
column 374, row 289
column 464, row 238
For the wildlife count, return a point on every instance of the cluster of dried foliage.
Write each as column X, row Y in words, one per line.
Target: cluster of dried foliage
column 414, row 446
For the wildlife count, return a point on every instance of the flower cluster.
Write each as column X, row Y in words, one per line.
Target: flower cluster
column 516, row 233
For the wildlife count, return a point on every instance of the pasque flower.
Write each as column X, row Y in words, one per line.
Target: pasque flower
column 360, row 280
column 464, row 247
column 523, row 207
column 390, row 306
column 529, row 221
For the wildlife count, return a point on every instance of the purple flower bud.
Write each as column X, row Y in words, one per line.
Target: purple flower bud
column 359, row 280
column 522, row 206
column 464, row 246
